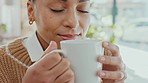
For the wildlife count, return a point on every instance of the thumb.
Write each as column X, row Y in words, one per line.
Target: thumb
column 52, row 46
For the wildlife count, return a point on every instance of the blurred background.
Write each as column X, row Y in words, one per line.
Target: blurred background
column 122, row 22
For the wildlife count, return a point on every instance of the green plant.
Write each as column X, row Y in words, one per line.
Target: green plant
column 3, row 28
column 98, row 31
column 102, row 27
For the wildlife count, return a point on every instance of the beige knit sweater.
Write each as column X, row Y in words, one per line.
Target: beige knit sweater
column 10, row 70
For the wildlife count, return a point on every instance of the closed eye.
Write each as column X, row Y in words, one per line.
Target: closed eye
column 54, row 10
column 83, row 11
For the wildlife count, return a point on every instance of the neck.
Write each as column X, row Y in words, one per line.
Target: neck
column 43, row 43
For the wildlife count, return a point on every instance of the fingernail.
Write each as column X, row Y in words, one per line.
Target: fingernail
column 102, row 59
column 52, row 45
column 102, row 74
column 122, row 75
column 106, row 43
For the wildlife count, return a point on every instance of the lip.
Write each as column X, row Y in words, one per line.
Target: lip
column 68, row 36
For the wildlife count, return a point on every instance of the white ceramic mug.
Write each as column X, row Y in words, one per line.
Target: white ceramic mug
column 83, row 55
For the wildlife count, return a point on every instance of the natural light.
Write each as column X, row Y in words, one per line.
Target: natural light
column 122, row 22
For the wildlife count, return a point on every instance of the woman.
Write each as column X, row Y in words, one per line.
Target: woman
column 27, row 60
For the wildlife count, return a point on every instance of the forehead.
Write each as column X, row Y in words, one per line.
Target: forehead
column 62, row 1
column 75, row 0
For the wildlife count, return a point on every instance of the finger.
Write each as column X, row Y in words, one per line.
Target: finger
column 112, row 75
column 121, row 80
column 113, row 48
column 52, row 46
column 109, row 60
column 66, row 77
column 49, row 61
column 60, row 68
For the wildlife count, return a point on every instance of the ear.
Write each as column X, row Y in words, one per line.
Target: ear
column 30, row 7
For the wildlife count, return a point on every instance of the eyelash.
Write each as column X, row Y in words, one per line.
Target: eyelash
column 83, row 11
column 58, row 11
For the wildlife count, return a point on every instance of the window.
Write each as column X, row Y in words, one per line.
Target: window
column 129, row 32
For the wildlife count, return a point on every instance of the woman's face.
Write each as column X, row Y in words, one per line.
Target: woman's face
column 58, row 20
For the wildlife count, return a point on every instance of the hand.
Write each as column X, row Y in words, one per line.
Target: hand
column 51, row 68
column 113, row 70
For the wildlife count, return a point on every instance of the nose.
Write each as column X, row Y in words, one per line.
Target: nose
column 71, row 19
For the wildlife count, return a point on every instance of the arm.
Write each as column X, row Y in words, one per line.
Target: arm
column 3, row 75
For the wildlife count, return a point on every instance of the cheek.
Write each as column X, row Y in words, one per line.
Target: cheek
column 48, row 26
column 44, row 24
column 87, row 20
column 46, row 21
column 84, row 23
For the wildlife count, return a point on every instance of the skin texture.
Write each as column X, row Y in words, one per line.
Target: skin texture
column 76, row 23
column 59, row 17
